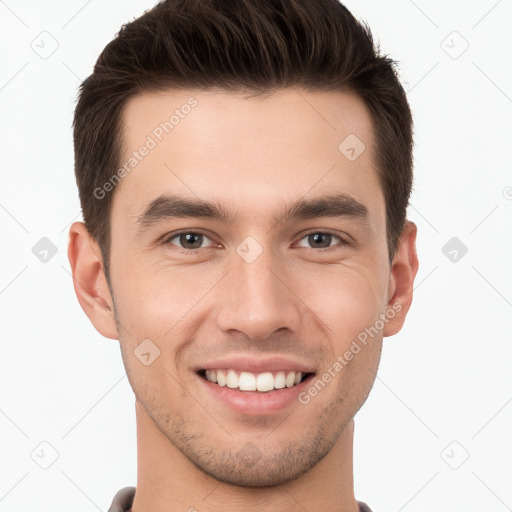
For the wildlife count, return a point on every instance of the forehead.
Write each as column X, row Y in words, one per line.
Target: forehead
column 252, row 153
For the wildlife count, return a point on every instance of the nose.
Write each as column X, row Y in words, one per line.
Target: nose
column 257, row 298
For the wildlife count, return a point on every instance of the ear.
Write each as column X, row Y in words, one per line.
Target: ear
column 403, row 271
column 89, row 280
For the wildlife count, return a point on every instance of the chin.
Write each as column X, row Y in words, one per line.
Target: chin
column 250, row 466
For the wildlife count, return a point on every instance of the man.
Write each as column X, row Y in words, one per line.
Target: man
column 244, row 170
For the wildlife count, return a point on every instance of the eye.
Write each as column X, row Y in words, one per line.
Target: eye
column 322, row 240
column 188, row 240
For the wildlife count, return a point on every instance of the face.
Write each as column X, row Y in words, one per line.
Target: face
column 249, row 248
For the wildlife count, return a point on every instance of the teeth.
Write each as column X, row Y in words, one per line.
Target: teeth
column 221, row 377
column 290, row 380
column 280, row 380
column 232, row 379
column 265, row 382
column 247, row 381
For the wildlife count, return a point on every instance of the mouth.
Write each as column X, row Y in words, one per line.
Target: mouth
column 251, row 385
column 263, row 382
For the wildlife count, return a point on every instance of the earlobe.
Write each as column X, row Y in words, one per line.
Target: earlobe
column 89, row 280
column 401, row 282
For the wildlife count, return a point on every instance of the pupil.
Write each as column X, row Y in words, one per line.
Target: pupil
column 191, row 239
column 324, row 239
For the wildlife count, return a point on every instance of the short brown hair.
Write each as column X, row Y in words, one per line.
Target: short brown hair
column 253, row 45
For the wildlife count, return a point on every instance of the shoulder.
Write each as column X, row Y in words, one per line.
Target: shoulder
column 363, row 507
column 123, row 500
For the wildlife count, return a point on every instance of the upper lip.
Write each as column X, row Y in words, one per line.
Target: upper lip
column 257, row 364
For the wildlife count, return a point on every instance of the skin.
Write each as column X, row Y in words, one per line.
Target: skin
column 298, row 299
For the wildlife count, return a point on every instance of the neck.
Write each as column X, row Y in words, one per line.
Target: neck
column 168, row 481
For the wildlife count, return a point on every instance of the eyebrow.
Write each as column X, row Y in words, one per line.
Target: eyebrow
column 167, row 207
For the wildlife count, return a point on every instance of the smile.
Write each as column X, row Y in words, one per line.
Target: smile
column 248, row 381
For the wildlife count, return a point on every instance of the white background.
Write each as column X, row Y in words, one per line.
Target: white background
column 444, row 389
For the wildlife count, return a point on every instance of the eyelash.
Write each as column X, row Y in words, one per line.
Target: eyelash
column 338, row 234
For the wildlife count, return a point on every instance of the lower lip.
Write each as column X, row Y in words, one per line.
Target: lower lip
column 255, row 402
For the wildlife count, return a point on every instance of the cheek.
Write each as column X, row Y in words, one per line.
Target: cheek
column 345, row 301
column 158, row 301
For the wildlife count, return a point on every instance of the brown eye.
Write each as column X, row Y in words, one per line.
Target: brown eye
column 188, row 240
column 322, row 240
column 191, row 240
